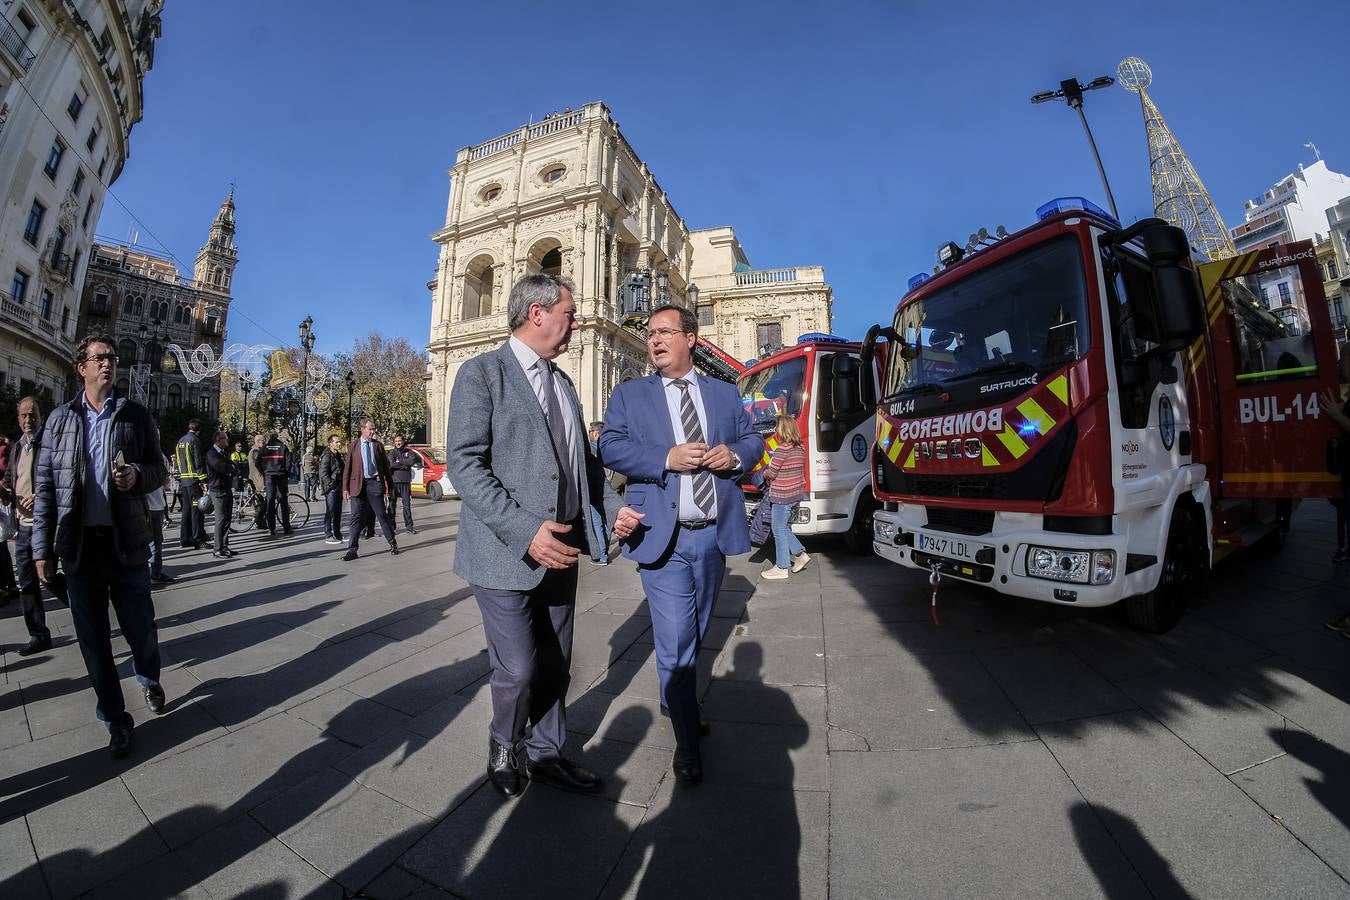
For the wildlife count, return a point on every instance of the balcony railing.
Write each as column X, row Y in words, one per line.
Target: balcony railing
column 766, row 276
column 538, row 129
column 13, row 42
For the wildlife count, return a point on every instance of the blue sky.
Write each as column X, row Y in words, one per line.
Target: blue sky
column 857, row 136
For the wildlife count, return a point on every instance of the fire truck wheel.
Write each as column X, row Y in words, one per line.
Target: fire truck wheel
column 1185, row 576
column 858, row 538
column 434, row 491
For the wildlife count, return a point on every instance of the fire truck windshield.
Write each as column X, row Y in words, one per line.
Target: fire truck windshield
column 773, row 390
column 1022, row 315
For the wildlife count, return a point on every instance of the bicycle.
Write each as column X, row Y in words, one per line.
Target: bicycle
column 249, row 504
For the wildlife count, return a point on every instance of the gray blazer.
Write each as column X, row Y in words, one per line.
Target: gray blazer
column 501, row 461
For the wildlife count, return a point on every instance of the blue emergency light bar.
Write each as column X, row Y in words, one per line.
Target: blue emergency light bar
column 1065, row 204
column 918, row 280
column 813, row 337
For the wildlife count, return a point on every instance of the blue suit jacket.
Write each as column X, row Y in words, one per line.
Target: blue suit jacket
column 636, row 439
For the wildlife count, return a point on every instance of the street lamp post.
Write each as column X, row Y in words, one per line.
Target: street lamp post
column 157, row 335
column 246, row 385
column 350, row 379
column 1071, row 92
column 307, row 338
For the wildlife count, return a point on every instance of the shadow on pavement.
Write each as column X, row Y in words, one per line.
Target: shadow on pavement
column 1117, row 881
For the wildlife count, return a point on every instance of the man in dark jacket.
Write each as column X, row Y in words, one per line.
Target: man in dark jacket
column 220, row 474
column 191, row 479
column 402, row 460
column 275, row 462
column 17, row 493
column 365, row 481
column 330, row 485
column 100, row 456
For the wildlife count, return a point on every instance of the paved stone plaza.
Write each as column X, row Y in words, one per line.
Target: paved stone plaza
column 326, row 737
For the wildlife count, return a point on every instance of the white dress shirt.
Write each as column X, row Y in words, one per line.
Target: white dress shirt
column 689, row 511
column 532, row 364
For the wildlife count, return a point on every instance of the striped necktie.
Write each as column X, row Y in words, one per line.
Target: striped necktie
column 704, row 489
column 569, row 492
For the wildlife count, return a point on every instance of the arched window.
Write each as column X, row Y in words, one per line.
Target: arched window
column 135, row 305
column 126, row 353
column 217, row 276
column 478, row 286
column 545, row 257
column 159, row 310
column 153, row 397
column 213, row 322
column 551, row 264
column 175, row 396
column 182, row 315
column 154, row 355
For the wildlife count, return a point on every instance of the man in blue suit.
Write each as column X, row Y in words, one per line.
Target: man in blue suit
column 682, row 440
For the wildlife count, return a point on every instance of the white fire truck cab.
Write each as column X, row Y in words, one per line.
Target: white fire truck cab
column 818, row 381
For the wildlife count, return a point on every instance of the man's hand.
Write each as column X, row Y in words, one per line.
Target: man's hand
column 346, row 496
column 686, row 457
column 719, row 459
column 626, row 522
column 125, row 478
column 26, row 504
column 550, row 552
column 41, row 566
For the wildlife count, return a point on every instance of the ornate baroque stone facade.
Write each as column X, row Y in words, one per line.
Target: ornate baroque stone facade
column 70, row 92
column 569, row 196
column 144, row 304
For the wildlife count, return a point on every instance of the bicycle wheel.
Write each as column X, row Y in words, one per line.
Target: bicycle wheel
column 244, row 513
column 299, row 510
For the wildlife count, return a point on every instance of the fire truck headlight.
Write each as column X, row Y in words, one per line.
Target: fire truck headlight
column 1103, row 566
column 883, row 532
column 1056, row 564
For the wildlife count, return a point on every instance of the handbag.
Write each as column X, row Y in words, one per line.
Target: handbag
column 7, row 529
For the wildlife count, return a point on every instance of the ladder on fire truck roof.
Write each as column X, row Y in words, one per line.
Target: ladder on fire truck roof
column 709, row 359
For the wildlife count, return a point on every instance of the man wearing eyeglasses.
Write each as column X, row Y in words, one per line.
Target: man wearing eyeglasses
column 100, row 456
column 682, row 440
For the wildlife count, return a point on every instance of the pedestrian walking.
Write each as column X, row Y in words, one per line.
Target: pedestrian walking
column 259, row 481
column 402, row 460
column 16, row 491
column 526, row 476
column 220, row 474
column 330, row 484
column 191, row 481
column 155, row 503
column 309, row 469
column 365, row 482
column 100, row 456
column 275, row 461
column 9, row 588
column 682, row 439
column 786, row 475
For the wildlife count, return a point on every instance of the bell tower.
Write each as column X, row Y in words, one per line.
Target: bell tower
column 216, row 260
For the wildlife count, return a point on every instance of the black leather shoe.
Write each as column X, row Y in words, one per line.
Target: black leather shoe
column 162, row 579
column 688, row 767
column 154, row 698
column 221, row 554
column 36, row 645
column 349, row 556
column 410, row 530
column 121, row 741
column 704, row 728
column 504, row 771
column 393, row 549
column 565, row 774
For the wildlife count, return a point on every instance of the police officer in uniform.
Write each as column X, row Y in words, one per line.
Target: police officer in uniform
column 191, row 480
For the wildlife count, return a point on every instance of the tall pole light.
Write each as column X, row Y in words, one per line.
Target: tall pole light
column 350, row 379
column 246, row 385
column 1071, row 92
column 307, row 338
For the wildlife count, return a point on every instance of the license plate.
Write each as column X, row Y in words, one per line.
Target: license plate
column 948, row 546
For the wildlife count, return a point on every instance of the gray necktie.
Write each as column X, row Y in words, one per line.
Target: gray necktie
column 569, row 493
column 705, row 496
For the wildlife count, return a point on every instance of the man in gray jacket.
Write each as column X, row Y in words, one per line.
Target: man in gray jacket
column 517, row 454
column 100, row 456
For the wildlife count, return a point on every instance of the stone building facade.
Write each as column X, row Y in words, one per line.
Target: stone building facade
column 71, row 75
column 141, row 300
column 568, row 196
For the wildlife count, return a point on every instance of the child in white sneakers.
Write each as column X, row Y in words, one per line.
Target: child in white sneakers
column 787, row 477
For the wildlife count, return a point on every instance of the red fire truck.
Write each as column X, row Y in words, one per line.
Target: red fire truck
column 818, row 382
column 1077, row 413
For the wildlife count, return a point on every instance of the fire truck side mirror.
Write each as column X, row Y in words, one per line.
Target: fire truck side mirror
column 844, row 390
column 1180, row 304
